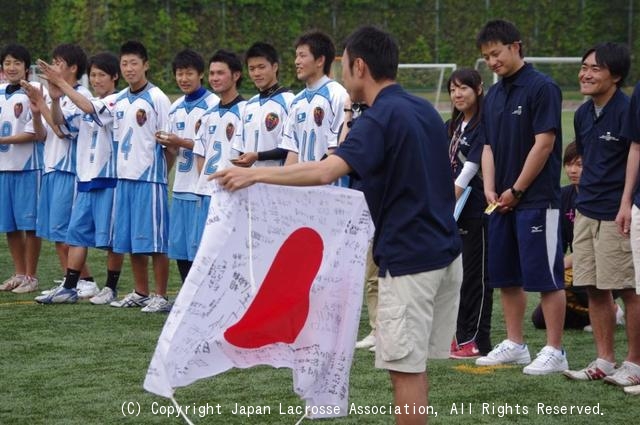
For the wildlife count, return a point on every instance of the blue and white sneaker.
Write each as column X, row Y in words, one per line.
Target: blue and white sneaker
column 131, row 300
column 60, row 295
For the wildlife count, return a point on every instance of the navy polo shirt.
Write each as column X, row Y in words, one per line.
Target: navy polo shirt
column 398, row 149
column 604, row 152
column 470, row 149
column 515, row 110
column 631, row 130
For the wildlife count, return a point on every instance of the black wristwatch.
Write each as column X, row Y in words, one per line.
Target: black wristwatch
column 516, row 193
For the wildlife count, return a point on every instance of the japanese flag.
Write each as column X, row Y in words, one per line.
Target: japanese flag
column 278, row 280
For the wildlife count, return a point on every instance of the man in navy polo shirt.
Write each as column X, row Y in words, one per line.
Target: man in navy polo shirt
column 398, row 149
column 602, row 258
column 521, row 173
column 628, row 218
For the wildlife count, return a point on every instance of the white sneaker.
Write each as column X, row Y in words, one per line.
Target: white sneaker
column 548, row 360
column 367, row 342
column 12, row 283
column 131, row 300
column 105, row 296
column 29, row 284
column 507, row 352
column 157, row 304
column 597, row 369
column 87, row 288
column 626, row 375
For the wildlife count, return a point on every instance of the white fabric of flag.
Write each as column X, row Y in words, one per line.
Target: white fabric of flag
column 277, row 280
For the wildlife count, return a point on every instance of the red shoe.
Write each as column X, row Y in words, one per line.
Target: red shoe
column 454, row 346
column 466, row 351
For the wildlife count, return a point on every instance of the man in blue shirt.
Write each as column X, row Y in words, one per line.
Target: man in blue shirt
column 521, row 173
column 397, row 149
column 602, row 260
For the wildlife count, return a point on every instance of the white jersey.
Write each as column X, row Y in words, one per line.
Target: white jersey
column 184, row 121
column 138, row 116
column 215, row 139
column 96, row 149
column 263, row 124
column 15, row 118
column 314, row 120
column 60, row 153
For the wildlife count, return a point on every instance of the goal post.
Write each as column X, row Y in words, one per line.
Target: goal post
column 426, row 80
column 563, row 69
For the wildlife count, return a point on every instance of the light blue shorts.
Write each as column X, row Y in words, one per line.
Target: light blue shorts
column 203, row 212
column 183, row 228
column 141, row 224
column 55, row 205
column 19, row 193
column 91, row 223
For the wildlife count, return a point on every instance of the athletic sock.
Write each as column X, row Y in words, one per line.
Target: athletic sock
column 183, row 267
column 112, row 279
column 71, row 278
column 142, row 295
column 87, row 279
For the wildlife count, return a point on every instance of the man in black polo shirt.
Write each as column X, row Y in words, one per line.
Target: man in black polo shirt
column 398, row 149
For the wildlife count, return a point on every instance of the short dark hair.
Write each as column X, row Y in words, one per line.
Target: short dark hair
column 107, row 62
column 613, row 56
column 133, row 47
column 231, row 59
column 72, row 54
column 570, row 153
column 471, row 78
column 320, row 44
column 17, row 51
column 377, row 49
column 262, row 50
column 188, row 58
column 501, row 31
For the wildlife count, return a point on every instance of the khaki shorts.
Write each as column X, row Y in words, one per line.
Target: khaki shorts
column 417, row 318
column 635, row 243
column 601, row 255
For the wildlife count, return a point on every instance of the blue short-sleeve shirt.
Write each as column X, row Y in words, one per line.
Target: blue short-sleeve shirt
column 632, row 130
column 514, row 113
column 398, row 149
column 604, row 152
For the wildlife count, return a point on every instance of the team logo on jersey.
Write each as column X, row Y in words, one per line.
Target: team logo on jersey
column 301, row 117
column 248, row 118
column 198, row 124
column 212, row 129
column 318, row 115
column 606, row 137
column 271, row 121
column 141, row 117
column 230, row 130
column 517, row 111
column 180, row 125
column 17, row 109
column 120, row 115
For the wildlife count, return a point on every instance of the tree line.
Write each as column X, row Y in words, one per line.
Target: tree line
column 427, row 31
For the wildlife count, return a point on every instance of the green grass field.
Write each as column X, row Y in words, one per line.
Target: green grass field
column 83, row 364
